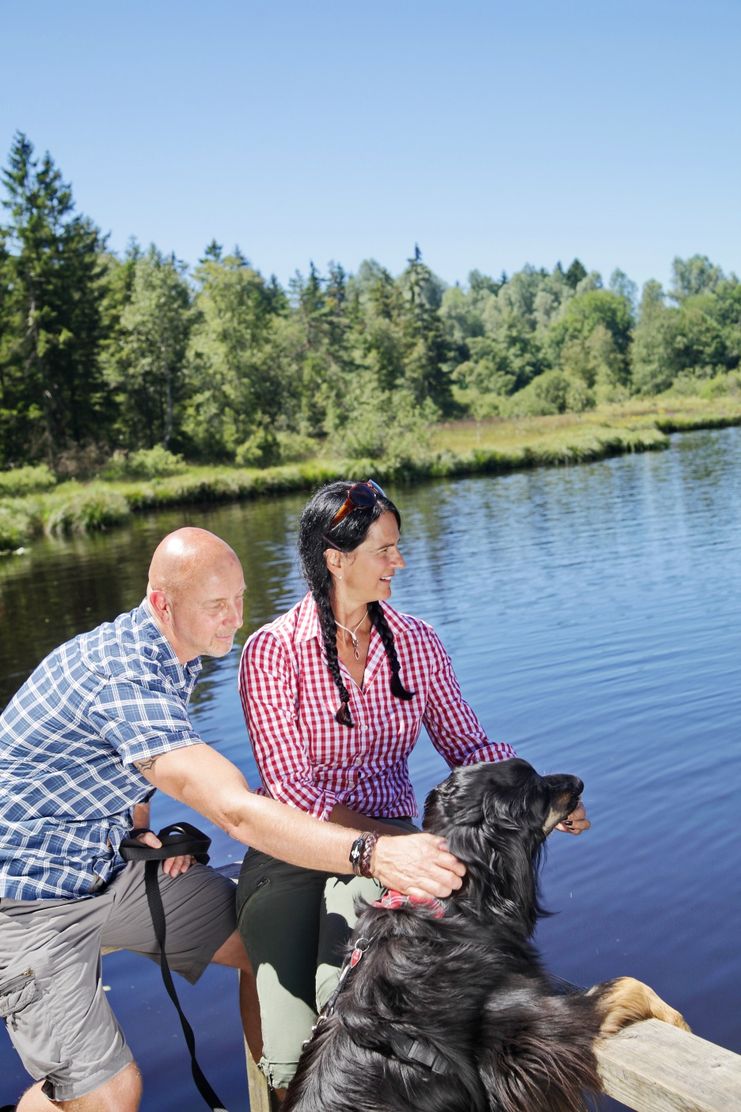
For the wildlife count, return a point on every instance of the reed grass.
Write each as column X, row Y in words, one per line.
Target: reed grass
column 492, row 446
column 26, row 480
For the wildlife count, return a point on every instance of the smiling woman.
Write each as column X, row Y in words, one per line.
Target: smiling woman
column 335, row 693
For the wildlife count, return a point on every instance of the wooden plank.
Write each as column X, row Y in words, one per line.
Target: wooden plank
column 653, row 1067
column 257, row 1086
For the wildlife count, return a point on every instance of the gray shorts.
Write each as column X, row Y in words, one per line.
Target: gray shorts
column 51, row 990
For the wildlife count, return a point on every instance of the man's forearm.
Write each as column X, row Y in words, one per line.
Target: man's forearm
column 204, row 780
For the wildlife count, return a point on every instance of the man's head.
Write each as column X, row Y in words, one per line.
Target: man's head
column 195, row 592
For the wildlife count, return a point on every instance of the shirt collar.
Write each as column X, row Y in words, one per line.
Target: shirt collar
column 182, row 675
column 308, row 628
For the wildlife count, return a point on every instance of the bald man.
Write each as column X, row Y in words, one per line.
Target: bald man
column 100, row 724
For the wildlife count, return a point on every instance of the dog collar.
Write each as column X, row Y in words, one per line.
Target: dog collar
column 391, row 900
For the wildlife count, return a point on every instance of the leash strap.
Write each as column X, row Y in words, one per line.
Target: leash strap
column 177, row 839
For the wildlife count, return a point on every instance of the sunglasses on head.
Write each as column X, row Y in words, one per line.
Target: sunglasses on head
column 360, row 496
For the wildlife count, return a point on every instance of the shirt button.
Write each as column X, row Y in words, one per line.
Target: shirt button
column 358, row 759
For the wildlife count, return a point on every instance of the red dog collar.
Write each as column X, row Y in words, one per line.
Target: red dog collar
column 392, row 900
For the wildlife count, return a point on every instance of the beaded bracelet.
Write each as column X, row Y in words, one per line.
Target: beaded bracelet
column 361, row 853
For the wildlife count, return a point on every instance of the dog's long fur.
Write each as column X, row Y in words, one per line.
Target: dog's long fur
column 469, row 988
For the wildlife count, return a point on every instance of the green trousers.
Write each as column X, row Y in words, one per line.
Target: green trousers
column 295, row 924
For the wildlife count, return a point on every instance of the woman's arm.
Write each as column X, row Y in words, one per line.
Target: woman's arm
column 453, row 726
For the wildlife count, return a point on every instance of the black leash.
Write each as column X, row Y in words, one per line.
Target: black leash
column 177, row 839
column 415, row 1052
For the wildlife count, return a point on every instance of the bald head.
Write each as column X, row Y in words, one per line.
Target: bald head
column 183, row 557
column 195, row 592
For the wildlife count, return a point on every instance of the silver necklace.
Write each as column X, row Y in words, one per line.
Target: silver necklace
column 353, row 634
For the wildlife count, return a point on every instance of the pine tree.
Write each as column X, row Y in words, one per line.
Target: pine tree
column 53, row 394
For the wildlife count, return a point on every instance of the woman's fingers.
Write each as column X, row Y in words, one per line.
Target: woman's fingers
column 417, row 864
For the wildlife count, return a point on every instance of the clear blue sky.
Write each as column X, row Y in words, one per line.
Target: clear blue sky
column 491, row 133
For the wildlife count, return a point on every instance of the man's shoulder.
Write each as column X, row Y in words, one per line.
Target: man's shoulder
column 129, row 647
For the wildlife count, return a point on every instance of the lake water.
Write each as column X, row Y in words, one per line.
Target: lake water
column 594, row 618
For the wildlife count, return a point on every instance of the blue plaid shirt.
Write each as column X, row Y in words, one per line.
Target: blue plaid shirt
column 68, row 742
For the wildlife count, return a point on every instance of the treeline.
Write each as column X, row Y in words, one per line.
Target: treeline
column 101, row 356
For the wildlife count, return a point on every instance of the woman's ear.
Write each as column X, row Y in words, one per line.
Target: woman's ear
column 333, row 560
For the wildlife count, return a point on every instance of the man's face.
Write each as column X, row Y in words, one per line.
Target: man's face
column 203, row 617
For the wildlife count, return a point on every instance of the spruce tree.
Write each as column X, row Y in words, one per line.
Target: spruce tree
column 53, row 397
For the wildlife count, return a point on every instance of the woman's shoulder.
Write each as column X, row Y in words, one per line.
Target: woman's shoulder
column 409, row 625
column 284, row 631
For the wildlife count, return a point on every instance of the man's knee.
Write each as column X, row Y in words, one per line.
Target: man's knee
column 121, row 1093
column 233, row 954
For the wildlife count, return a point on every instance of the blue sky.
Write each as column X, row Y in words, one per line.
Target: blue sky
column 491, row 134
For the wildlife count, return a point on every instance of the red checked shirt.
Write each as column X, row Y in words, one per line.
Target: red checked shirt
column 308, row 759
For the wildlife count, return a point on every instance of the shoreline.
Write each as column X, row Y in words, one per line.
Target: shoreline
column 456, row 449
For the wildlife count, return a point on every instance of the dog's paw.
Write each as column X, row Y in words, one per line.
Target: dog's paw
column 628, row 1000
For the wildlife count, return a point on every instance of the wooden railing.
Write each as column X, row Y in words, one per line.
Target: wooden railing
column 652, row 1067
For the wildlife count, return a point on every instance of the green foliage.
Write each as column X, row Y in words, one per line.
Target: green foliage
column 552, row 392
column 26, row 480
column 51, row 388
column 146, row 370
column 87, row 510
column 376, row 424
column 146, row 463
column 102, row 357
column 235, row 379
column 261, row 449
column 17, row 526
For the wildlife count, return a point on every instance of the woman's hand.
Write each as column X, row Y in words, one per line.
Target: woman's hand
column 173, row 866
column 575, row 823
column 418, row 865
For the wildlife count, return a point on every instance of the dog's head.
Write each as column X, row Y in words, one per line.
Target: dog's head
column 495, row 818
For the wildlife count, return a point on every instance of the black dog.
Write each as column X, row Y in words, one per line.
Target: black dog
column 450, row 1009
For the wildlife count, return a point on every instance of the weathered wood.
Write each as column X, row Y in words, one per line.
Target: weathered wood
column 257, row 1086
column 653, row 1067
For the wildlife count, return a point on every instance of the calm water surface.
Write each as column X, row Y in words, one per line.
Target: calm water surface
column 594, row 618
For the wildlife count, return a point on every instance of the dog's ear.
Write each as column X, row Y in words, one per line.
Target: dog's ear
column 458, row 801
column 521, row 806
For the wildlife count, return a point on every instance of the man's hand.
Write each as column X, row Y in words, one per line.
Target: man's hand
column 575, row 823
column 173, row 866
column 417, row 864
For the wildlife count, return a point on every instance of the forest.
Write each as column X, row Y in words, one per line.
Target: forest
column 103, row 356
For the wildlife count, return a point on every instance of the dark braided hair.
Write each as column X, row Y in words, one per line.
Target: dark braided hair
column 314, row 538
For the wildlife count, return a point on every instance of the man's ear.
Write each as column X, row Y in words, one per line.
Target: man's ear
column 159, row 603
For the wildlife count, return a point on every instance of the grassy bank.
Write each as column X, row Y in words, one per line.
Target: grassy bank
column 31, row 505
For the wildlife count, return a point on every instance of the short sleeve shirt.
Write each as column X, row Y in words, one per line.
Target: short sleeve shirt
column 69, row 740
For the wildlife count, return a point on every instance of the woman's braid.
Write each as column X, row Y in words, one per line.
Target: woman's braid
column 316, row 522
column 379, row 621
column 329, row 635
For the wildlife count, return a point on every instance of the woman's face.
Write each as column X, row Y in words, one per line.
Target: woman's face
column 367, row 571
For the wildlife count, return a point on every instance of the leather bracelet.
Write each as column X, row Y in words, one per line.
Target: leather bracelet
column 361, row 853
column 369, row 844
